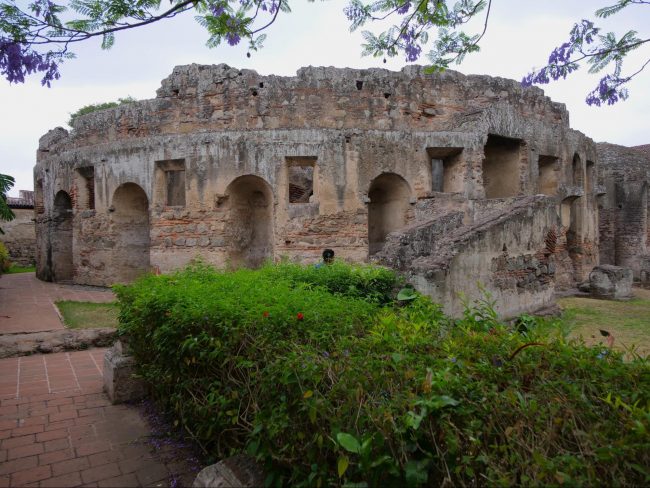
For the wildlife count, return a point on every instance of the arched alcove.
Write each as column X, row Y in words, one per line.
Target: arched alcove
column 576, row 171
column 389, row 196
column 130, row 229
column 502, row 166
column 61, row 239
column 571, row 217
column 250, row 228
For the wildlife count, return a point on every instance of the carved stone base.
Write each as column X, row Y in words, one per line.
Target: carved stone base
column 239, row 471
column 120, row 381
column 614, row 282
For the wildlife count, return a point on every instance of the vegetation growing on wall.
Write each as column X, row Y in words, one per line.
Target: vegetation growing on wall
column 324, row 380
column 95, row 107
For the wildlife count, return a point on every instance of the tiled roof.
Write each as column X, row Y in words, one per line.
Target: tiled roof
column 25, row 200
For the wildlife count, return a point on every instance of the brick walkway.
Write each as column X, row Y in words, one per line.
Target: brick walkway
column 27, row 304
column 57, row 427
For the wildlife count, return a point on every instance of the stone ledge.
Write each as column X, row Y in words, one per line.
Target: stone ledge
column 25, row 344
column 234, row 472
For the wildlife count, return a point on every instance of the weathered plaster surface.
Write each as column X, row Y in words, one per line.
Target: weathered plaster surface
column 426, row 144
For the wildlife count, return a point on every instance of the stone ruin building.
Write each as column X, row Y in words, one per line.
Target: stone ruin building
column 463, row 183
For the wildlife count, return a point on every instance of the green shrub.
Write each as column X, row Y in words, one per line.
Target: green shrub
column 5, row 264
column 325, row 385
column 371, row 283
column 96, row 107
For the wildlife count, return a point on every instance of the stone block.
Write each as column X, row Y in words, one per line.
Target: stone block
column 607, row 281
column 644, row 273
column 121, row 383
column 233, row 472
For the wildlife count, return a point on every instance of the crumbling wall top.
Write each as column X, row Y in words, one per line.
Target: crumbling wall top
column 51, row 138
column 204, row 98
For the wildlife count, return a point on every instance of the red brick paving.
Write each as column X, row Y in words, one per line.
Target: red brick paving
column 57, row 428
column 27, row 304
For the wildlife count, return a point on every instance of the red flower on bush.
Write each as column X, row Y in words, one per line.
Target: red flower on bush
column 265, row 313
column 300, row 316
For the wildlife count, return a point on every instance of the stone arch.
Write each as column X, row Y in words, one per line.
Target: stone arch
column 130, row 229
column 389, row 196
column 62, row 268
column 249, row 233
column 571, row 217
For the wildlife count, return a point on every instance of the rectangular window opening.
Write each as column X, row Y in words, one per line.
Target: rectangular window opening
column 549, row 171
column 301, row 179
column 576, row 171
column 502, row 166
column 170, row 183
column 447, row 169
column 85, row 197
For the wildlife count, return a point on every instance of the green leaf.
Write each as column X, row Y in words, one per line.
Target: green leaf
column 342, row 465
column 416, row 472
column 406, row 294
column 348, row 442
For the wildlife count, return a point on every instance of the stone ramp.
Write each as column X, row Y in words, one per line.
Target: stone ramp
column 505, row 250
column 27, row 304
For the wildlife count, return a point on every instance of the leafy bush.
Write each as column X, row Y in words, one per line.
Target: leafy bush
column 336, row 388
column 372, row 283
column 4, row 259
column 95, row 107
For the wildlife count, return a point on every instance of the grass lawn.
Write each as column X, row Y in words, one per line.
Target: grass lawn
column 20, row 269
column 627, row 321
column 86, row 315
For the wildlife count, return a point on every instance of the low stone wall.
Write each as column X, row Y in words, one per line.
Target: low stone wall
column 12, row 345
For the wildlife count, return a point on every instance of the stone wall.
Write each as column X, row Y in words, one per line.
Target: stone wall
column 511, row 256
column 210, row 167
column 624, row 223
column 20, row 237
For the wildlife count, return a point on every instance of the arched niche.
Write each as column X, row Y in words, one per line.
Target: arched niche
column 571, row 218
column 389, row 196
column 502, row 166
column 576, row 171
column 61, row 238
column 249, row 233
column 130, row 229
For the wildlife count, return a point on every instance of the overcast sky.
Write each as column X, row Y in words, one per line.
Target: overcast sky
column 520, row 35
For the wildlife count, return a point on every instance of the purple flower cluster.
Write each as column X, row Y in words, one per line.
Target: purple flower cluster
column 217, row 10
column 608, row 91
column 404, row 8
column 561, row 54
column 17, row 61
column 411, row 47
column 584, row 32
column 232, row 37
column 560, row 64
column 270, row 7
